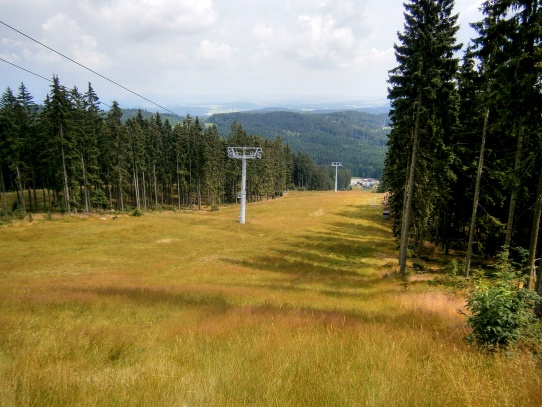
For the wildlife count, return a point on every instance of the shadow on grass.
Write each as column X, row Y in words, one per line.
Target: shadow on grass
column 218, row 303
column 177, row 296
column 339, row 257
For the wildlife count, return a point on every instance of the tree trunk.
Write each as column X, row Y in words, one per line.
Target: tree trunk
column 20, row 192
column 476, row 195
column 514, row 194
column 144, row 191
column 199, row 194
column 30, row 208
column 178, row 185
column 85, row 185
column 407, row 175
column 155, row 186
column 136, row 189
column 109, row 193
column 34, row 190
column 45, row 206
column 5, row 203
column 533, row 244
column 405, row 226
column 65, row 174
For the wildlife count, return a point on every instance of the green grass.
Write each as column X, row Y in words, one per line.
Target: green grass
column 195, row 309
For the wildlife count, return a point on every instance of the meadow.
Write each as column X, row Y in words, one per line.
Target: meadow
column 191, row 308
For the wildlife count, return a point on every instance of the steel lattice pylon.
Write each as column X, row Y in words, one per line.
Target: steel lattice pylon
column 244, row 154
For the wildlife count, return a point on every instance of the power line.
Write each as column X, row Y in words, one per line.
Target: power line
column 39, row 76
column 20, row 67
column 83, row 66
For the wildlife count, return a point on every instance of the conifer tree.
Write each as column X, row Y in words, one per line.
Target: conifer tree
column 60, row 155
column 424, row 115
column 118, row 153
column 508, row 48
column 12, row 140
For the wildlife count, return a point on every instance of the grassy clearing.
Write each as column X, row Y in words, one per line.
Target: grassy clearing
column 195, row 309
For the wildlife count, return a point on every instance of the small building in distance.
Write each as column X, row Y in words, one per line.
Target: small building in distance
column 364, row 183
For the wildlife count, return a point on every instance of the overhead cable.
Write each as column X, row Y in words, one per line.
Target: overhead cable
column 83, row 66
column 39, row 76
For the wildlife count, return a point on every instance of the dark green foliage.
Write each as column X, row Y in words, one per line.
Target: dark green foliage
column 5, row 217
column 100, row 200
column 83, row 159
column 500, row 314
column 501, row 309
column 424, row 103
column 499, row 76
column 356, row 139
column 146, row 115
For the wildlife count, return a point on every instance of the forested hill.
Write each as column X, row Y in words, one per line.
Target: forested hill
column 130, row 113
column 356, row 139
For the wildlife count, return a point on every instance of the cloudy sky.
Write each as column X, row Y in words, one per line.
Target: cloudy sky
column 194, row 51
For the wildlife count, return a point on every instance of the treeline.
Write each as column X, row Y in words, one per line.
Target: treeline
column 69, row 155
column 356, row 139
column 464, row 165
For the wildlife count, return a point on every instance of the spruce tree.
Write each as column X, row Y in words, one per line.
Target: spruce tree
column 60, row 154
column 424, row 116
column 509, row 50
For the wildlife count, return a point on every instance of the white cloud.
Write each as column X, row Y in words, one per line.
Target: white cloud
column 325, row 38
column 63, row 34
column 164, row 48
column 143, row 20
column 215, row 53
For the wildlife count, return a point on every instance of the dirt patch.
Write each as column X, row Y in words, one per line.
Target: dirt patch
column 167, row 240
column 319, row 212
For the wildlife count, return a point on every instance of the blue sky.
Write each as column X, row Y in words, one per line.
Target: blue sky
column 188, row 51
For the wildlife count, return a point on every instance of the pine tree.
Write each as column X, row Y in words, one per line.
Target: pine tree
column 509, row 50
column 60, row 154
column 12, row 140
column 424, row 116
column 89, row 149
column 118, row 152
column 29, row 132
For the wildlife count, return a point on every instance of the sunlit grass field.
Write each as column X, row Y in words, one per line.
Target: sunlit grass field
column 194, row 309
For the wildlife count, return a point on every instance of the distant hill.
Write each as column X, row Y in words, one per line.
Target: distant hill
column 357, row 139
column 129, row 113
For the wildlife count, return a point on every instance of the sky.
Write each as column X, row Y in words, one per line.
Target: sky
column 176, row 52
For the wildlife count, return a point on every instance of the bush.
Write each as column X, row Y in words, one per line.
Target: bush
column 500, row 314
column 137, row 212
column 501, row 310
column 455, row 268
column 19, row 213
column 5, row 217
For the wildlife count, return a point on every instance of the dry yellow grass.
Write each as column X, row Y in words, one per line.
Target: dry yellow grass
column 195, row 309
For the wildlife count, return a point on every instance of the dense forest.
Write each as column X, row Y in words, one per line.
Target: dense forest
column 356, row 139
column 70, row 156
column 129, row 113
column 464, row 165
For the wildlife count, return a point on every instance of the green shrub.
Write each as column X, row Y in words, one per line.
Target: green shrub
column 137, row 212
column 455, row 268
column 19, row 213
column 5, row 217
column 99, row 199
column 501, row 310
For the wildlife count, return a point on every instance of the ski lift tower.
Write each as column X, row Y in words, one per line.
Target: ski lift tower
column 336, row 165
column 244, row 154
